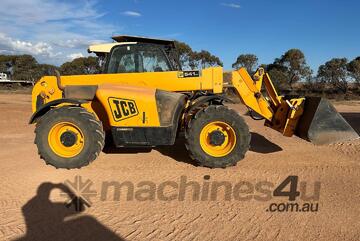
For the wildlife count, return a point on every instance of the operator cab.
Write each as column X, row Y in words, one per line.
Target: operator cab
column 131, row 54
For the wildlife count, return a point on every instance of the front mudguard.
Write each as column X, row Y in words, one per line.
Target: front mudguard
column 207, row 99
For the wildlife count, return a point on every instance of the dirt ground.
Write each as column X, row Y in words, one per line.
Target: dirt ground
column 32, row 205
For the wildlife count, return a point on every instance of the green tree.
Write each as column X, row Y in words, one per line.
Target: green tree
column 205, row 59
column 43, row 70
column 249, row 61
column 78, row 66
column 190, row 59
column 335, row 72
column 24, row 67
column 278, row 76
column 292, row 66
column 185, row 54
column 354, row 69
column 5, row 60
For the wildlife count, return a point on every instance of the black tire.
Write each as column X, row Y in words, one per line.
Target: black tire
column 217, row 113
column 92, row 129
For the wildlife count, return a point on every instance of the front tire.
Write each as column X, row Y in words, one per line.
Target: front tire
column 217, row 137
column 69, row 137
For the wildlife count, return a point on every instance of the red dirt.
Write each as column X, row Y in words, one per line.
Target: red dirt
column 28, row 214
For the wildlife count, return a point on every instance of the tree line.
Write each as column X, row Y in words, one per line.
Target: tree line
column 26, row 67
column 285, row 71
column 291, row 68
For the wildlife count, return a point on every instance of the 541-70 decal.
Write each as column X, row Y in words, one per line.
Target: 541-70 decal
column 188, row 74
column 122, row 109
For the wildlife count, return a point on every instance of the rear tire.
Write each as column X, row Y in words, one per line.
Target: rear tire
column 69, row 137
column 225, row 144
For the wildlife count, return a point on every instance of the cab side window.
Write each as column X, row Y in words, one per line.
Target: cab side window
column 127, row 64
column 154, row 60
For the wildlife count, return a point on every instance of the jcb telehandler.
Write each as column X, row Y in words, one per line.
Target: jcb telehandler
column 144, row 98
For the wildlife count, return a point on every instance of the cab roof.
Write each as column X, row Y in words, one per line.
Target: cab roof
column 139, row 39
column 105, row 48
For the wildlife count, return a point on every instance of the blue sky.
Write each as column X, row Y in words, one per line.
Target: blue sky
column 57, row 31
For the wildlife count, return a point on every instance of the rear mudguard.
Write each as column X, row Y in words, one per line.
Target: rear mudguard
column 45, row 108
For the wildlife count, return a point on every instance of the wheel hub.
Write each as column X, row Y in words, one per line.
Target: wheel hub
column 68, row 138
column 217, row 138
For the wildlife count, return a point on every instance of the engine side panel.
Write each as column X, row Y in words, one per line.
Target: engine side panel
column 141, row 116
column 129, row 106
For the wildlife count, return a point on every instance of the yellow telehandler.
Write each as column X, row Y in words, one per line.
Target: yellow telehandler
column 144, row 98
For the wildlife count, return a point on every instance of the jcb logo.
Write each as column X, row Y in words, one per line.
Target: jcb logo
column 122, row 108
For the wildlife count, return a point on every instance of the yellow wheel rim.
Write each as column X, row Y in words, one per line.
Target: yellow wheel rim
column 223, row 144
column 66, row 139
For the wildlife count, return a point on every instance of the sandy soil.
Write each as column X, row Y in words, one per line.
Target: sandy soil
column 27, row 212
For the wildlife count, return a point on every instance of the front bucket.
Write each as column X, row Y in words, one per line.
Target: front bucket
column 321, row 124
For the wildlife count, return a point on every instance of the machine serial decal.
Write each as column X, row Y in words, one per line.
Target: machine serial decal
column 188, row 74
column 122, row 109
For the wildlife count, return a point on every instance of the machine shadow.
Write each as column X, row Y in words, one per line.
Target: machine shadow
column 126, row 150
column 46, row 220
column 353, row 119
column 260, row 144
column 177, row 152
